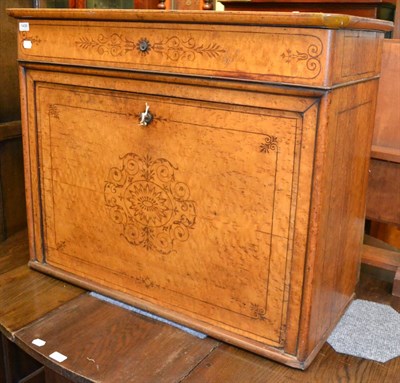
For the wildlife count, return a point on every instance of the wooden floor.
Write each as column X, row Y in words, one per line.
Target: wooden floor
column 109, row 344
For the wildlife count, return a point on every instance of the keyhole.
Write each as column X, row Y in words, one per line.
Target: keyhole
column 143, row 46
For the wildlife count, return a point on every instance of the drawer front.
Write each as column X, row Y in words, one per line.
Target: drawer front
column 288, row 55
column 204, row 211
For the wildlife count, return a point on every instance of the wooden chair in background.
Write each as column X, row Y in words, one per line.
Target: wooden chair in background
column 12, row 196
column 383, row 196
column 382, row 9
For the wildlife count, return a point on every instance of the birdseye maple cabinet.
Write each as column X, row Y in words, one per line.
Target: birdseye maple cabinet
column 209, row 167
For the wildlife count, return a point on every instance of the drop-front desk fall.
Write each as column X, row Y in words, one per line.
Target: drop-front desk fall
column 208, row 167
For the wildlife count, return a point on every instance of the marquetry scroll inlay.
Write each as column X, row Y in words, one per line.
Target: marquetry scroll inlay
column 114, row 44
column 173, row 48
column 153, row 208
column 311, row 57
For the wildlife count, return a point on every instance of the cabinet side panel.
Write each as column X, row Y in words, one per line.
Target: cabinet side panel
column 337, row 211
column 358, row 55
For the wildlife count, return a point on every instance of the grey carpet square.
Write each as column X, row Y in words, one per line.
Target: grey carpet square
column 368, row 330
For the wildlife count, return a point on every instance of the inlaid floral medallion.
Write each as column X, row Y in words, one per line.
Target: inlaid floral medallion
column 152, row 207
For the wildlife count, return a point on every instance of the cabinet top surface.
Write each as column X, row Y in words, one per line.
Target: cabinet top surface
column 290, row 19
column 313, row 1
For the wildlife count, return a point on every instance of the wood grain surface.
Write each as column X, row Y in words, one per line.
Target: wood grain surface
column 367, row 8
column 139, row 348
column 14, row 252
column 34, row 296
column 381, row 258
column 383, row 198
column 293, row 56
column 12, row 190
column 165, row 239
column 9, row 92
column 387, row 119
column 236, row 209
column 16, row 365
column 229, row 364
column 305, row 19
column 337, row 218
column 107, row 340
column 26, row 295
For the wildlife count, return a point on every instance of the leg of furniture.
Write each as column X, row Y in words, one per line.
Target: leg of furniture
column 377, row 254
column 383, row 197
column 52, row 377
column 366, row 9
column 396, row 283
column 37, row 376
column 17, row 364
column 2, row 359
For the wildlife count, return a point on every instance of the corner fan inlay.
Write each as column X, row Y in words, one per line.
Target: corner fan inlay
column 153, row 209
column 270, row 143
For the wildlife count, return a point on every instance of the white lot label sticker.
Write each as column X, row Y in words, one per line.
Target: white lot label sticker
column 58, row 357
column 24, row 27
column 27, row 44
column 38, row 342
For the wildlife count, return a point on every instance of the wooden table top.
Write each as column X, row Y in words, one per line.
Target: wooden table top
column 26, row 295
column 313, row 1
column 297, row 19
column 104, row 342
